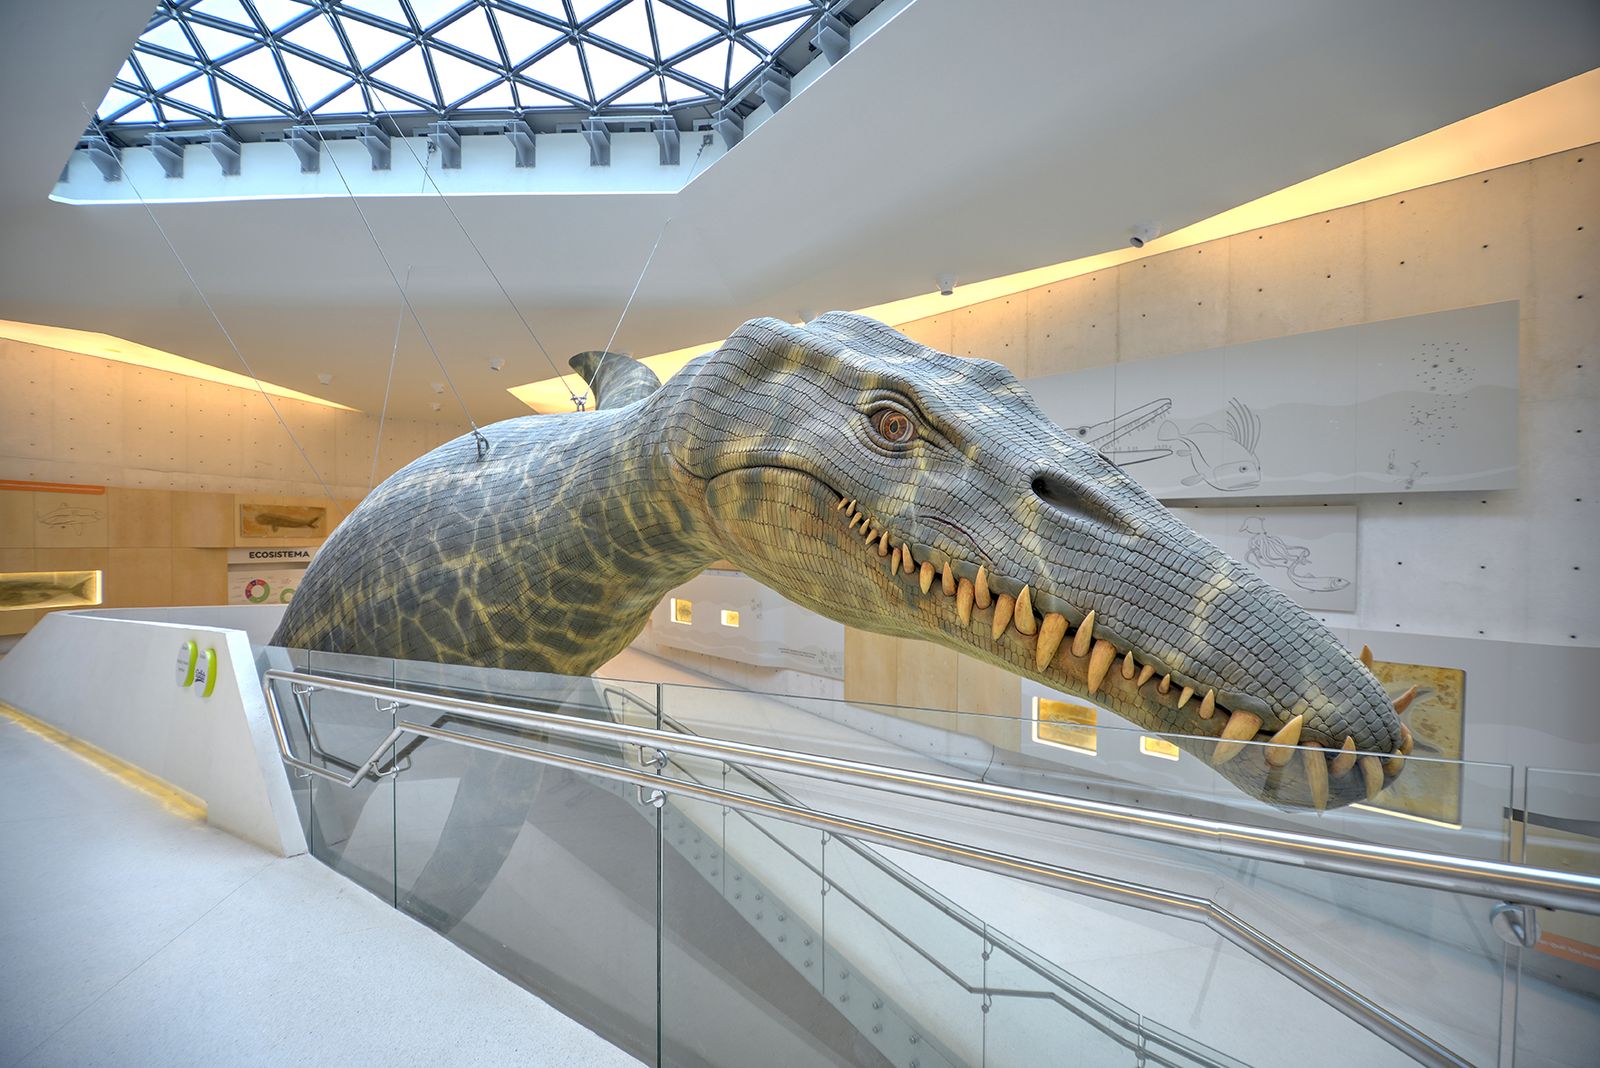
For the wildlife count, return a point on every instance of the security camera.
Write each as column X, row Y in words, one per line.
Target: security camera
column 1143, row 233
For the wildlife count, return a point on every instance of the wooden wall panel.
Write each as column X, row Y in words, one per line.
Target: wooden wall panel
column 139, row 518
column 16, row 519
column 69, row 520
column 139, row 578
column 203, row 520
column 199, row 576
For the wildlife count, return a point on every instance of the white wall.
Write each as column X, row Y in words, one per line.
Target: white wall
column 111, row 682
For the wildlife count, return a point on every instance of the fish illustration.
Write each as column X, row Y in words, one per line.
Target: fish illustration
column 25, row 592
column 1107, row 436
column 1268, row 550
column 1222, row 459
column 276, row 520
column 67, row 516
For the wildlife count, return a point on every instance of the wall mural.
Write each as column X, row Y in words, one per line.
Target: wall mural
column 1307, row 552
column 282, row 520
column 1427, row 402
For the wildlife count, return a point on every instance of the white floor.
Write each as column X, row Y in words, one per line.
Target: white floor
column 130, row 936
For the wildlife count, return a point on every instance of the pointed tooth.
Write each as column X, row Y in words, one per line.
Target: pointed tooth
column 1392, row 764
column 1003, row 604
column 854, row 519
column 927, row 575
column 842, row 502
column 1051, row 631
column 883, row 544
column 1165, row 685
column 980, row 588
column 1403, row 702
column 1406, row 741
column 1240, row 728
column 1145, row 674
column 1129, row 669
column 852, row 505
column 1100, row 661
column 911, row 563
column 1372, row 773
column 1084, row 636
column 947, row 581
column 1346, row 758
column 1184, row 695
column 1316, row 766
column 1208, row 704
column 964, row 602
column 894, row 562
column 1366, row 657
column 1022, row 614
column 1288, row 734
column 866, row 529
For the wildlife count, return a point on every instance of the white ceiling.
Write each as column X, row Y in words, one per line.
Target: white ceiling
column 974, row 139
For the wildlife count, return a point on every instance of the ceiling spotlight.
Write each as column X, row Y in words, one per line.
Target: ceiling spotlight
column 806, row 315
column 1143, row 233
column 325, row 378
column 437, row 387
column 497, row 364
column 947, row 284
column 434, row 405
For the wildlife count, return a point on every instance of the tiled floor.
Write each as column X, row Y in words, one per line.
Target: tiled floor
column 130, row 936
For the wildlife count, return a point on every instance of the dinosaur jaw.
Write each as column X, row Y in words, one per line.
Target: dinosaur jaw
column 1001, row 619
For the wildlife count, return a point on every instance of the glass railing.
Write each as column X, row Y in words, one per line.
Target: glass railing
column 689, row 929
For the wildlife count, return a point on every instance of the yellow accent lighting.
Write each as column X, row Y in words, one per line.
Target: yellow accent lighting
column 1065, row 725
column 730, row 619
column 120, row 350
column 1555, row 119
column 682, row 610
column 1157, row 747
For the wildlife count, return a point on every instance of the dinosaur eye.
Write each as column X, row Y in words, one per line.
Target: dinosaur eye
column 894, row 426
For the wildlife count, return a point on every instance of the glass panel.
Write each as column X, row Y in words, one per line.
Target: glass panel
column 1558, row 1004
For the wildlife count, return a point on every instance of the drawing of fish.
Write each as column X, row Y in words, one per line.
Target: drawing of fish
column 1222, row 459
column 276, row 520
column 67, row 516
column 24, row 592
column 1268, row 550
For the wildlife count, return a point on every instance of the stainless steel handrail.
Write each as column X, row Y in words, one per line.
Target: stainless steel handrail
column 1541, row 887
column 1246, row 937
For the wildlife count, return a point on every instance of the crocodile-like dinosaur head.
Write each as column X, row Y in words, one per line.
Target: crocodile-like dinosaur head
column 907, row 491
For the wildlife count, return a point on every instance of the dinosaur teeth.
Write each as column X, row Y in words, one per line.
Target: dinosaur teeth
column 1003, row 605
column 1366, row 657
column 854, row 519
column 1406, row 741
column 842, row 502
column 1165, row 685
column 883, row 544
column 1289, row 734
column 1128, row 666
column 980, row 588
column 1100, row 661
column 1022, row 614
column 947, row 580
column 1051, row 632
column 1393, row 764
column 1208, row 705
column 1403, row 702
column 1145, row 674
column 927, row 575
column 1372, row 773
column 964, row 595
column 894, row 562
column 1184, row 695
column 1085, row 635
column 1316, row 766
column 1346, row 758
column 1240, row 728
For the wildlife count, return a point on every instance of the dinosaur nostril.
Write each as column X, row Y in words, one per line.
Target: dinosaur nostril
column 1066, row 497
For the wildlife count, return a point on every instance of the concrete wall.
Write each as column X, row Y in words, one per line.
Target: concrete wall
column 110, row 682
column 1514, row 566
column 65, row 417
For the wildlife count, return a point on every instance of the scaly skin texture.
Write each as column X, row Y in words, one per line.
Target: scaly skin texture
column 778, row 452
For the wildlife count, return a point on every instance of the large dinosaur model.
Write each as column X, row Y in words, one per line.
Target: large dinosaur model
column 880, row 483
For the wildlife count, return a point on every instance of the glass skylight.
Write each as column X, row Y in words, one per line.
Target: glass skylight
column 208, row 63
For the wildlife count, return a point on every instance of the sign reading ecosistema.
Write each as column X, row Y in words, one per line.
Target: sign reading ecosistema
column 265, row 576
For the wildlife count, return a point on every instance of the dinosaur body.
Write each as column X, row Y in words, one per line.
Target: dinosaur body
column 878, row 482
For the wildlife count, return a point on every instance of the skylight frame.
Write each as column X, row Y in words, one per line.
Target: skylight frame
column 140, row 103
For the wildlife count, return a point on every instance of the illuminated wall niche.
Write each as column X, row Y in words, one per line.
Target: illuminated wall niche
column 1157, row 747
column 24, row 590
column 1065, row 724
column 682, row 610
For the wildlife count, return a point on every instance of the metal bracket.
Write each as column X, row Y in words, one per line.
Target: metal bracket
column 387, row 708
column 831, row 38
column 667, row 139
column 520, row 134
column 106, row 156
column 482, row 442
column 651, row 757
column 775, row 88
column 1517, row 925
column 225, row 149
column 445, row 140
column 376, row 140
column 599, row 137
column 307, row 145
column 729, row 125
column 168, row 151
column 652, row 799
